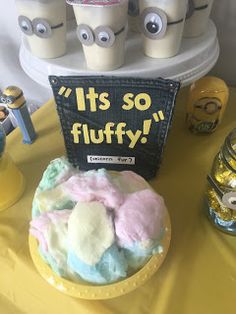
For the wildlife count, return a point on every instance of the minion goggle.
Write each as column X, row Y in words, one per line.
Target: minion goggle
column 39, row 27
column 103, row 36
column 9, row 99
column 227, row 199
column 191, row 8
column 209, row 106
column 154, row 23
column 133, row 8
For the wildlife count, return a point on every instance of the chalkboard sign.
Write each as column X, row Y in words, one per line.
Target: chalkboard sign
column 115, row 123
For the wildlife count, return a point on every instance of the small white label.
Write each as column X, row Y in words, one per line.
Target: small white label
column 91, row 159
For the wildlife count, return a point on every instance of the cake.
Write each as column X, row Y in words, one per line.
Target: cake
column 96, row 225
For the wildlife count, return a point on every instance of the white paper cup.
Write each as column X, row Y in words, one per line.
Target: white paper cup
column 69, row 13
column 197, row 17
column 43, row 22
column 102, row 31
column 162, row 24
column 133, row 15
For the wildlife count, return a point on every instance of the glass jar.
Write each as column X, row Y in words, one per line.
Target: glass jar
column 221, row 191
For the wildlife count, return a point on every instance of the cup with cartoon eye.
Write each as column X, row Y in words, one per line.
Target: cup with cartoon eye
column 162, row 24
column 133, row 14
column 197, row 17
column 102, row 28
column 43, row 23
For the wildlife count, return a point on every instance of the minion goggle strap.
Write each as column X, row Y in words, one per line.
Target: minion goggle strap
column 39, row 27
column 191, row 8
column 227, row 199
column 9, row 99
column 154, row 23
column 209, row 106
column 103, row 36
column 133, row 8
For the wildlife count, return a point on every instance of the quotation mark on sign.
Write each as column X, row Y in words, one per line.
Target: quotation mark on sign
column 65, row 92
column 158, row 116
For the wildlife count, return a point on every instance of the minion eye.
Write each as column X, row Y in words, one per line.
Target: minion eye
column 85, row 35
column 3, row 99
column 9, row 100
column 133, row 8
column 229, row 200
column 25, row 25
column 105, row 37
column 42, row 28
column 153, row 23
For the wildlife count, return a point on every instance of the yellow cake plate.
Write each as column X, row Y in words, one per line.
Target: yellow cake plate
column 85, row 290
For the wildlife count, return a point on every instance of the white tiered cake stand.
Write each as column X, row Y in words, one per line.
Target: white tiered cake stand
column 196, row 58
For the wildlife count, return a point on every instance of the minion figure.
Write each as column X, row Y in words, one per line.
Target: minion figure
column 14, row 98
column 206, row 105
column 161, row 25
column 43, row 26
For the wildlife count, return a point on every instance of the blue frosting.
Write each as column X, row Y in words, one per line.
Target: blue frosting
column 136, row 255
column 51, row 261
column 111, row 267
column 56, row 168
column 49, row 180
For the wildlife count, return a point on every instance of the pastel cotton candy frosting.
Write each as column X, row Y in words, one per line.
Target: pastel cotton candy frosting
column 93, row 186
column 90, row 231
column 111, row 267
column 50, row 229
column 57, row 171
column 140, row 218
column 96, row 225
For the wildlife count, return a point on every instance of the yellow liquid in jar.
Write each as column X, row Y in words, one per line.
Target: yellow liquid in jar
column 225, row 178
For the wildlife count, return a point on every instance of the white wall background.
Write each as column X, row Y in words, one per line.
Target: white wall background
column 224, row 15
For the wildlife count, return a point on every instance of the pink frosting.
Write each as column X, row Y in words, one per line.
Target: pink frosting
column 140, row 217
column 40, row 225
column 82, row 188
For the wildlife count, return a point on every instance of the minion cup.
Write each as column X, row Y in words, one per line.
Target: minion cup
column 43, row 23
column 11, row 179
column 197, row 17
column 133, row 15
column 206, row 105
column 162, row 24
column 102, row 29
column 14, row 99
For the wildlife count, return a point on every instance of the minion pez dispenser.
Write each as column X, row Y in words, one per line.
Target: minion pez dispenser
column 14, row 98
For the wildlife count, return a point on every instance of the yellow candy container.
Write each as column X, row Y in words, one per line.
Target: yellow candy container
column 12, row 182
column 206, row 105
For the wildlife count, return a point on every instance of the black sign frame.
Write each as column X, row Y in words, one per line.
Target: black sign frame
column 99, row 135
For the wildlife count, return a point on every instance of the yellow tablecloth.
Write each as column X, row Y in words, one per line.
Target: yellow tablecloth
column 199, row 273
